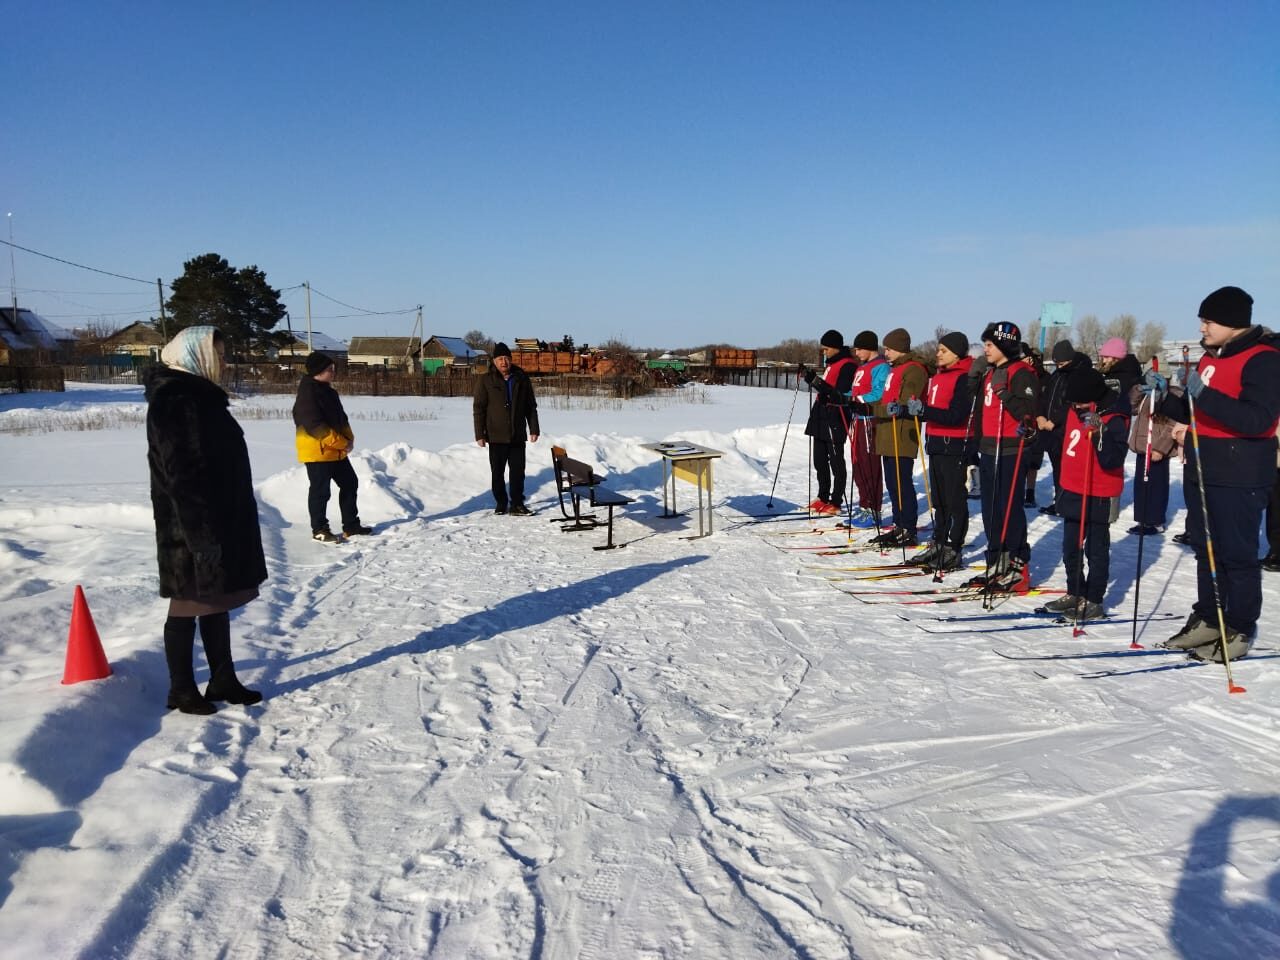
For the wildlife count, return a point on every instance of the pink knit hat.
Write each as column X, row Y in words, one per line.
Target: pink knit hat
column 1115, row 347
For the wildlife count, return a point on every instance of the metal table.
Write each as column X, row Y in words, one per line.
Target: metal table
column 691, row 463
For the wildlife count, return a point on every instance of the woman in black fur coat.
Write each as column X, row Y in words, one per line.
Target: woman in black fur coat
column 208, row 542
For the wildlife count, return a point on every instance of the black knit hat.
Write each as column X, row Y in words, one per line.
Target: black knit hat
column 1007, row 338
column 956, row 342
column 1228, row 307
column 318, row 363
column 866, row 340
column 1063, row 352
column 1086, row 385
column 833, row 339
column 500, row 349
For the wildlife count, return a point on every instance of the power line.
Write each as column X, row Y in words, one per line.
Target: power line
column 363, row 311
column 70, row 263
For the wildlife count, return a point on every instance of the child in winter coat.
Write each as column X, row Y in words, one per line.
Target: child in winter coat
column 1095, row 444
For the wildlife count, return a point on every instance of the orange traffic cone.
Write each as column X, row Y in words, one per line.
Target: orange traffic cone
column 85, row 659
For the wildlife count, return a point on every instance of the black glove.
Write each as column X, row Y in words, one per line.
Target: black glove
column 1000, row 382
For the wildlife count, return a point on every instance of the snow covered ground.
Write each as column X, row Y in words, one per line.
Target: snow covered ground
column 484, row 739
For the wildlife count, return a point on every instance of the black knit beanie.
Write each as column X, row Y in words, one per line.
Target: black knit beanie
column 833, row 339
column 318, row 363
column 1228, row 307
column 1086, row 385
column 500, row 349
column 1007, row 338
column 866, row 340
column 956, row 342
column 1063, row 352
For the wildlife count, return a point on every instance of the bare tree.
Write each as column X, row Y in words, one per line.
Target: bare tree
column 792, row 351
column 478, row 340
column 1151, row 343
column 1124, row 326
column 1089, row 335
column 1031, row 335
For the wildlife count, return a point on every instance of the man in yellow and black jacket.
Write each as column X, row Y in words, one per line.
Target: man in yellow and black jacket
column 324, row 439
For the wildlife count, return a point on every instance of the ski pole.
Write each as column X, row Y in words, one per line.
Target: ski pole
column 790, row 415
column 848, row 493
column 897, row 473
column 1004, row 529
column 1078, row 629
column 995, row 492
column 1208, row 543
column 1142, row 527
column 809, row 472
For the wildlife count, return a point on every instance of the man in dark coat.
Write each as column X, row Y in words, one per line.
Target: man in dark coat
column 208, row 543
column 503, row 406
column 323, row 436
column 1235, row 395
column 828, row 423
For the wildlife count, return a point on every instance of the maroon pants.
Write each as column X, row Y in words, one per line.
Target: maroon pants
column 866, row 465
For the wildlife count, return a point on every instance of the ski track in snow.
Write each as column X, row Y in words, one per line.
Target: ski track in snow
column 482, row 739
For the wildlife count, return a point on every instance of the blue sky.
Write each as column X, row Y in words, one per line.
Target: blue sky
column 670, row 174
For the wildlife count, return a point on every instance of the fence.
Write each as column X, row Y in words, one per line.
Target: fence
column 247, row 379
column 28, row 379
column 782, row 378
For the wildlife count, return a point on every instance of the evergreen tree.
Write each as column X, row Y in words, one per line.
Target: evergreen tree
column 240, row 303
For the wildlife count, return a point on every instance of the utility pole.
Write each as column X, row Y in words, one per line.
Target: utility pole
column 13, row 275
column 164, row 323
column 417, row 331
column 310, row 346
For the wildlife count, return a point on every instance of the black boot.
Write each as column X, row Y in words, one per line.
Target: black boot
column 215, row 631
column 179, row 635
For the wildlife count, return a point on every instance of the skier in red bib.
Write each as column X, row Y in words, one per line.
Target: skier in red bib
column 829, row 421
column 1235, row 390
column 1095, row 444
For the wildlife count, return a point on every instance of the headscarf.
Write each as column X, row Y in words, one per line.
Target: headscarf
column 192, row 350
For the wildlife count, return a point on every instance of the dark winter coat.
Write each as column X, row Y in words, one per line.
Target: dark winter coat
column 1053, row 401
column 828, row 418
column 1248, row 460
column 321, row 429
column 1126, row 372
column 503, row 408
column 208, row 542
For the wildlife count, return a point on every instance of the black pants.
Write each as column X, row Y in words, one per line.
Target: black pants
column 829, row 469
column 1053, row 447
column 1000, row 474
column 1151, row 492
column 898, row 477
column 947, row 480
column 1273, row 517
column 1235, row 515
column 323, row 473
column 1091, row 583
column 501, row 457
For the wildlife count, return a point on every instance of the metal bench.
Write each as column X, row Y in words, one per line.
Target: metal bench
column 577, row 483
